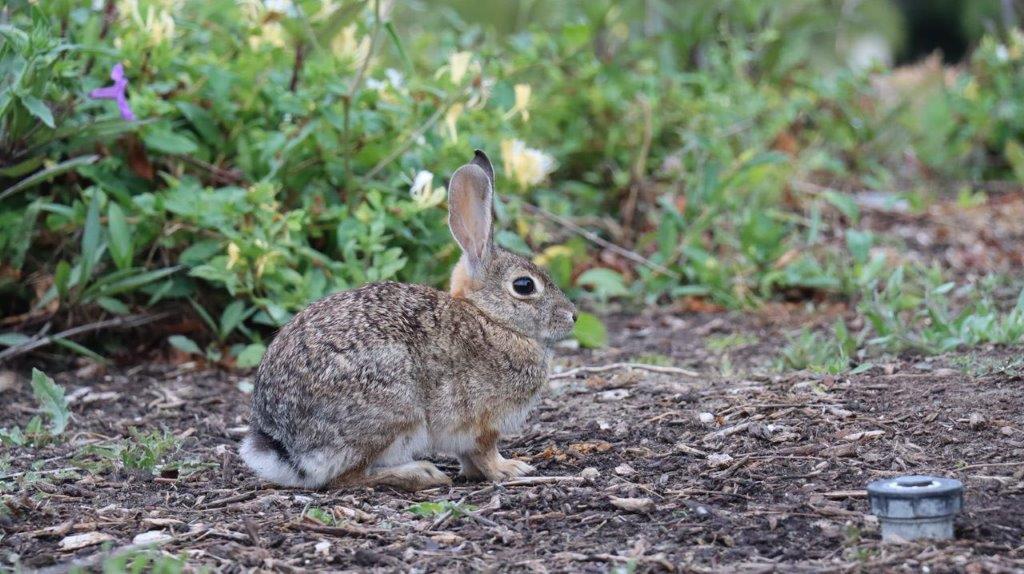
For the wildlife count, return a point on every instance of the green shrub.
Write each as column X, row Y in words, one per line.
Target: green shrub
column 285, row 150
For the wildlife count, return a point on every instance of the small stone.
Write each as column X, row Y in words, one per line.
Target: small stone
column 719, row 459
column 590, row 474
column 1008, row 431
column 624, row 470
column 322, row 548
column 707, row 419
column 977, row 421
column 8, row 380
column 612, row 395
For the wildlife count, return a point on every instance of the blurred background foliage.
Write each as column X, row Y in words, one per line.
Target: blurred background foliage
column 287, row 149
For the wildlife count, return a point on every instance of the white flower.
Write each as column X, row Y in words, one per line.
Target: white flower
column 1002, row 54
column 458, row 64
column 279, row 6
column 423, row 191
column 159, row 25
column 525, row 165
column 421, row 184
column 395, row 77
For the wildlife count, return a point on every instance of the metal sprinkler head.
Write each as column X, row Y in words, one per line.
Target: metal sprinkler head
column 916, row 507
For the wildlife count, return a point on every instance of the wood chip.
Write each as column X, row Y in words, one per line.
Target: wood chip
column 846, row 494
column 152, row 537
column 638, row 505
column 864, row 435
column 76, row 541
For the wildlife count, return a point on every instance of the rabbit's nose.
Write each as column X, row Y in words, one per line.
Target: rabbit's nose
column 575, row 316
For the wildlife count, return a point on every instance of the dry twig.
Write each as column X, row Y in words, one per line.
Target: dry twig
column 640, row 366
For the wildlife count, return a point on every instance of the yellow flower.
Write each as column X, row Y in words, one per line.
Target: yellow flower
column 234, row 254
column 525, row 165
column 451, row 119
column 522, row 103
column 458, row 64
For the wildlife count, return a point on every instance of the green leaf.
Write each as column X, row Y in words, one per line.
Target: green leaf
column 250, row 356
column 844, row 203
column 166, row 141
column 605, row 283
column 115, row 306
column 121, row 248
column 1015, row 156
column 80, row 349
column 232, row 316
column 859, row 244
column 12, row 339
column 390, row 28
column 61, row 277
column 39, row 109
column 183, row 343
column 91, row 237
column 121, row 283
column 45, row 174
column 590, row 331
column 52, row 402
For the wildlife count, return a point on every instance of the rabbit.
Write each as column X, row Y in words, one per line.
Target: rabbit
column 361, row 383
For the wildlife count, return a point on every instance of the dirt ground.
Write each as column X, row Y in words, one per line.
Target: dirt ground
column 788, row 497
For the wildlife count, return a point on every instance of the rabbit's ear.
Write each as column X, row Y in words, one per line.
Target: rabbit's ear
column 480, row 159
column 470, row 207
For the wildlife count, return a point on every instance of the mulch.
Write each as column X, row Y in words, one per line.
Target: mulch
column 741, row 469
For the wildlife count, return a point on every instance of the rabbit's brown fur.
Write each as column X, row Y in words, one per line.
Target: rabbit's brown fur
column 361, row 382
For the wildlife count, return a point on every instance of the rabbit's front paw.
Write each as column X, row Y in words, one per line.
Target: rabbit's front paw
column 506, row 468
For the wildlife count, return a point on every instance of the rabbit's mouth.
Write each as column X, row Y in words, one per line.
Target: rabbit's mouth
column 560, row 327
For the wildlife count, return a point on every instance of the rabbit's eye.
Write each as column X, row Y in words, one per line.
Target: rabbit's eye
column 524, row 286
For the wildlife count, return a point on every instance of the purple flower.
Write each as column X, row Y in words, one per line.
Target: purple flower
column 116, row 92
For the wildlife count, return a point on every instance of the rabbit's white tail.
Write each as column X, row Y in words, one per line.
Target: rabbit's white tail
column 271, row 461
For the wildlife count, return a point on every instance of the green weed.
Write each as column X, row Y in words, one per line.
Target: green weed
column 54, row 406
column 431, row 509
column 142, row 452
column 719, row 343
